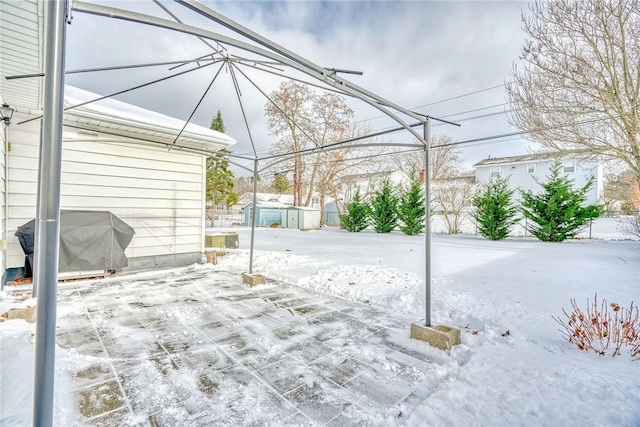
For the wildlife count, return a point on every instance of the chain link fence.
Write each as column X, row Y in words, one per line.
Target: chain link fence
column 610, row 226
column 224, row 218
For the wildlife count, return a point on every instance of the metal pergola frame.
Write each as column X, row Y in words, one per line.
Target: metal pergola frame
column 58, row 14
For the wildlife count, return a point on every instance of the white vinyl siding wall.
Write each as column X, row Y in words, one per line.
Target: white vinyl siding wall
column 3, row 200
column 520, row 177
column 20, row 37
column 156, row 191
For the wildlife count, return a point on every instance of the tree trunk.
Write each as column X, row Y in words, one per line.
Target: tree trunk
column 322, row 212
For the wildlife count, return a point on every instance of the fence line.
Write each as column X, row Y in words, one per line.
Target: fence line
column 224, row 217
column 610, row 226
column 607, row 227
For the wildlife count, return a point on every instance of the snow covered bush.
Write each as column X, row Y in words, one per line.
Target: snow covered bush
column 411, row 208
column 631, row 225
column 494, row 211
column 557, row 212
column 600, row 330
column 357, row 217
column 383, row 209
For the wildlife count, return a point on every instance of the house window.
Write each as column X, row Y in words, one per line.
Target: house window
column 531, row 168
column 569, row 166
column 494, row 171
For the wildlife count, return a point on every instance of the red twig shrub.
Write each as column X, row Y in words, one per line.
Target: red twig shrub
column 604, row 328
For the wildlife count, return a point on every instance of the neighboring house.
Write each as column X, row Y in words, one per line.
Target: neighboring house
column 115, row 157
column 523, row 171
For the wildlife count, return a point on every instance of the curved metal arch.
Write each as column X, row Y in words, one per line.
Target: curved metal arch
column 299, row 63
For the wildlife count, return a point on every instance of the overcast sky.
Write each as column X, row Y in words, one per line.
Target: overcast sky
column 412, row 53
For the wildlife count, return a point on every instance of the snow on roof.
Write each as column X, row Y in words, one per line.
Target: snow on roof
column 268, row 197
column 114, row 114
column 272, row 205
column 303, row 208
column 531, row 157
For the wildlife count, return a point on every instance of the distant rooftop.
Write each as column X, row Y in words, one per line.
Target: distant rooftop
column 531, row 157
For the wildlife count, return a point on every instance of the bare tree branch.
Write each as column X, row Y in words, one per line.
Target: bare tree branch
column 579, row 87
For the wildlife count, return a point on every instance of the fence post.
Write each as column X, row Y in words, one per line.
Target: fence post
column 590, row 226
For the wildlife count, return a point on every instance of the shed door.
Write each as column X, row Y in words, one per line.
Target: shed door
column 292, row 220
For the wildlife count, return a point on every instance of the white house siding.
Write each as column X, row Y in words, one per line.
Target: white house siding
column 521, row 179
column 158, row 192
column 3, row 199
column 20, row 39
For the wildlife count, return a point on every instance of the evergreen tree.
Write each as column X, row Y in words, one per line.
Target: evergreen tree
column 217, row 123
column 220, row 178
column 357, row 217
column 281, row 183
column 494, row 211
column 556, row 213
column 411, row 208
column 384, row 208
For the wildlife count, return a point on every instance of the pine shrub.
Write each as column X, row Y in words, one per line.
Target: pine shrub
column 557, row 212
column 494, row 211
column 411, row 208
column 357, row 217
column 383, row 209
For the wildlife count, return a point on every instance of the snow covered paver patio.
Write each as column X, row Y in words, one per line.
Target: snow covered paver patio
column 197, row 347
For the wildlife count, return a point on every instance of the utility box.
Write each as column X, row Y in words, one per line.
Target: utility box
column 214, row 241
column 231, row 240
column 221, row 241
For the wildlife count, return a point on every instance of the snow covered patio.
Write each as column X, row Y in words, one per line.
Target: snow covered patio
column 196, row 347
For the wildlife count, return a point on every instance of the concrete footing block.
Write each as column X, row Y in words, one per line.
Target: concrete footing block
column 212, row 256
column 440, row 336
column 253, row 279
column 26, row 313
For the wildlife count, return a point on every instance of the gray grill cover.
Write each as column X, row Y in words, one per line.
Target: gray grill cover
column 89, row 240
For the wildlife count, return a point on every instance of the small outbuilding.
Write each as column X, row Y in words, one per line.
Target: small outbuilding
column 302, row 218
column 331, row 213
column 267, row 214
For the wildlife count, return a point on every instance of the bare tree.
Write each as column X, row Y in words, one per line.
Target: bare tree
column 337, row 169
column 446, row 160
column 579, row 87
column 331, row 121
column 452, row 197
column 287, row 117
column 304, row 119
column 632, row 222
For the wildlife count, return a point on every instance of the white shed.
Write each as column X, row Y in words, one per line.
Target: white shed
column 301, row 217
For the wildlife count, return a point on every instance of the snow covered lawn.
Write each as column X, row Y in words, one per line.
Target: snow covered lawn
column 196, row 347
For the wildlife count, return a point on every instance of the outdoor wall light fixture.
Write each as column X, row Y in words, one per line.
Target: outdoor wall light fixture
column 6, row 113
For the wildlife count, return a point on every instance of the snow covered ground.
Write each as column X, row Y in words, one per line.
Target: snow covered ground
column 530, row 376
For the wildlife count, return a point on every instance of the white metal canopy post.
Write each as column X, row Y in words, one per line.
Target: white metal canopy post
column 45, row 277
column 253, row 217
column 427, row 220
